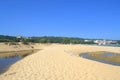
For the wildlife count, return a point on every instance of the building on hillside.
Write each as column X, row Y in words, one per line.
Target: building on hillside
column 87, row 40
column 19, row 37
column 104, row 42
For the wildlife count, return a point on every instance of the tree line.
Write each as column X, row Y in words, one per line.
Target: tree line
column 62, row 40
column 47, row 39
column 8, row 39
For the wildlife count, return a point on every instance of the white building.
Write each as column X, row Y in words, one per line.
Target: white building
column 19, row 37
column 102, row 42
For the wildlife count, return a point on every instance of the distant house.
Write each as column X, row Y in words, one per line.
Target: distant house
column 104, row 42
column 87, row 40
column 19, row 37
column 99, row 42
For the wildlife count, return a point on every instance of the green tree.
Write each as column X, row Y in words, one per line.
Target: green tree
column 118, row 42
column 74, row 41
column 65, row 40
column 43, row 40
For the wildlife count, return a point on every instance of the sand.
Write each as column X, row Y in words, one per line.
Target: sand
column 11, row 48
column 61, row 62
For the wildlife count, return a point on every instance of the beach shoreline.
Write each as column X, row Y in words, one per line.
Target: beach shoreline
column 54, row 63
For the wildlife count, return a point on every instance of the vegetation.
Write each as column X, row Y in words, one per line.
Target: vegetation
column 8, row 39
column 25, row 43
column 63, row 40
column 13, row 43
column 46, row 39
column 118, row 41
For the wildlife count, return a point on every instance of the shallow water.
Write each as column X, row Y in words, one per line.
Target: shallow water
column 9, row 58
column 104, row 57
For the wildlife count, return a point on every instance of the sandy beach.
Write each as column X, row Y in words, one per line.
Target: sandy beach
column 20, row 47
column 61, row 62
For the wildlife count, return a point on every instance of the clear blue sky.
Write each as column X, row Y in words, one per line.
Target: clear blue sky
column 72, row 18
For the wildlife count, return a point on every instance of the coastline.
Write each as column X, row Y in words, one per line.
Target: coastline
column 53, row 63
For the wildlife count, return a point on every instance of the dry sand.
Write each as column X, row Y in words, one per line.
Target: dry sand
column 11, row 48
column 61, row 62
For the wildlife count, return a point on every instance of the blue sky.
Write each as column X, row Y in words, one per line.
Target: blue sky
column 72, row 18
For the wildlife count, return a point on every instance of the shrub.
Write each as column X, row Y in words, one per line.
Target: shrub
column 6, row 43
column 13, row 43
column 25, row 43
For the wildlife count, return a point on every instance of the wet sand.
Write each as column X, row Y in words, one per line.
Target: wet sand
column 61, row 62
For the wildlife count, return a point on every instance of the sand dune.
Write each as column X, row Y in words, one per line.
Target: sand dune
column 21, row 47
column 60, row 62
